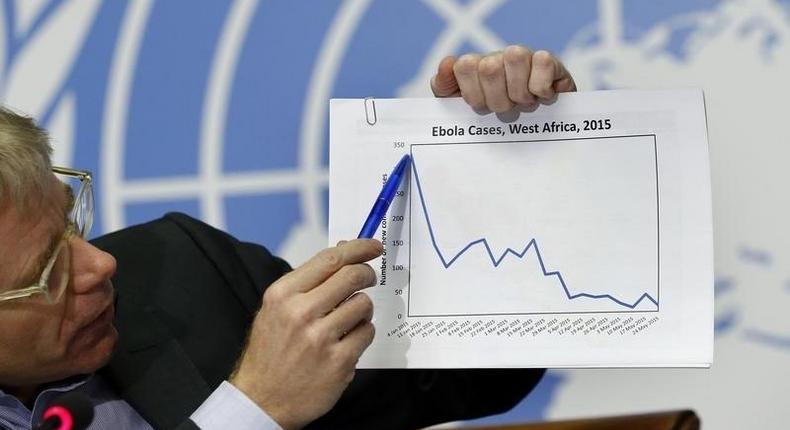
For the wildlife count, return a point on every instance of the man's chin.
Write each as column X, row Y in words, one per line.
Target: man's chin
column 97, row 355
column 107, row 346
column 79, row 361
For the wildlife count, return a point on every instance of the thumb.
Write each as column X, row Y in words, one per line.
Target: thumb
column 444, row 84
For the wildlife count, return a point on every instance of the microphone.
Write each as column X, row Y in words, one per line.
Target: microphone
column 72, row 411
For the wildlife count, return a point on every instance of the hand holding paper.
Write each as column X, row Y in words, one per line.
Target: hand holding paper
column 502, row 80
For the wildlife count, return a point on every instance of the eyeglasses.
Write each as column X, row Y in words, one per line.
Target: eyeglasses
column 55, row 276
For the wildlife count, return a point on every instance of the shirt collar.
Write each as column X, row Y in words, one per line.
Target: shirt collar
column 45, row 390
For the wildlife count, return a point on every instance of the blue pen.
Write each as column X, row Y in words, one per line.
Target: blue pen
column 384, row 199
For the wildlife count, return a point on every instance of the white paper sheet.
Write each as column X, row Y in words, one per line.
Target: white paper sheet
column 577, row 235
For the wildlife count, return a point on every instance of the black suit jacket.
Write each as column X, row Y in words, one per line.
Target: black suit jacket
column 186, row 295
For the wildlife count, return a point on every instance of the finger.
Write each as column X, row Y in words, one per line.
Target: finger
column 356, row 310
column 327, row 262
column 339, row 287
column 518, row 64
column 491, row 70
column 565, row 83
column 466, row 74
column 357, row 340
column 443, row 83
column 545, row 70
column 340, row 242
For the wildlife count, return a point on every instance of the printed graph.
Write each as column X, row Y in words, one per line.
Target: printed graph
column 508, row 228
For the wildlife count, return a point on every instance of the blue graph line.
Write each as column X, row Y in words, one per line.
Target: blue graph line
column 497, row 261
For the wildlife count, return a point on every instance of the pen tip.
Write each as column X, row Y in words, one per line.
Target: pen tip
column 403, row 163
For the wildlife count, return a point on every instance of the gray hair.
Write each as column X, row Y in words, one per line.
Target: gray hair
column 25, row 165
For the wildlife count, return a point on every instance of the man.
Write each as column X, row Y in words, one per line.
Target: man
column 185, row 343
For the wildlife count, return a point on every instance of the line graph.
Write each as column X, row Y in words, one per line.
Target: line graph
column 465, row 251
column 496, row 261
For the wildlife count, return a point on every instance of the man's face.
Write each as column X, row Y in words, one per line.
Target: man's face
column 42, row 342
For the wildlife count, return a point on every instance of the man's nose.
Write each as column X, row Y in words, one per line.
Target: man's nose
column 90, row 266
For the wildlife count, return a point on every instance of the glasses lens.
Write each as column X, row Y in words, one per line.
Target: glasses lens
column 83, row 209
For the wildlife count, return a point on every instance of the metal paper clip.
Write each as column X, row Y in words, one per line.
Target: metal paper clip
column 370, row 110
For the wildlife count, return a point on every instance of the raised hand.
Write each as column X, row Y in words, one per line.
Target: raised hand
column 502, row 80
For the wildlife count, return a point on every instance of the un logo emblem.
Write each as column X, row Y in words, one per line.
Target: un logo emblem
column 226, row 122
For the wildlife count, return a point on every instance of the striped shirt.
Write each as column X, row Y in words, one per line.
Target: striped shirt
column 227, row 407
column 110, row 412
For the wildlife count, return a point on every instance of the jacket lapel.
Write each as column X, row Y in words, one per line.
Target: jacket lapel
column 150, row 370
